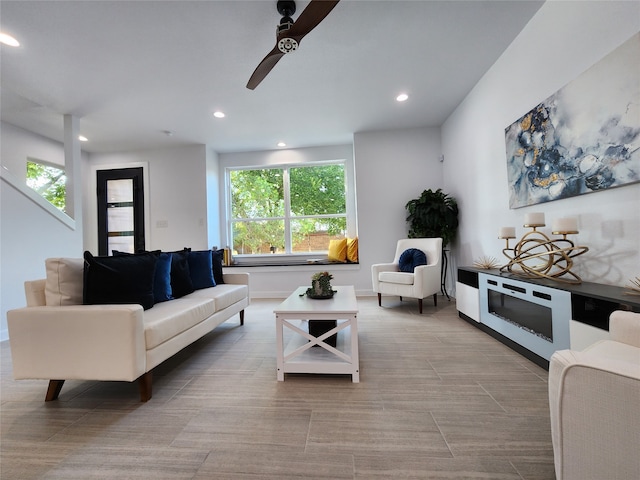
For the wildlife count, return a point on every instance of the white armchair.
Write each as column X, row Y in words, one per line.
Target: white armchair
column 594, row 401
column 423, row 282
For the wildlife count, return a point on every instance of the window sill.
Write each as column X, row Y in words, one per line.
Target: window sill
column 284, row 263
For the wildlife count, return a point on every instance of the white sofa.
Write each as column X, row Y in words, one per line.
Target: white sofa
column 113, row 342
column 594, row 400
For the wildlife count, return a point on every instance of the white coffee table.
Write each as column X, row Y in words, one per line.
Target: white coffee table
column 300, row 354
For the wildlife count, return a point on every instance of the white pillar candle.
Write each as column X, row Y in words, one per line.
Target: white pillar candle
column 507, row 232
column 534, row 218
column 565, row 225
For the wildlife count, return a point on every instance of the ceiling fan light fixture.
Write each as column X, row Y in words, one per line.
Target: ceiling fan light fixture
column 287, row 45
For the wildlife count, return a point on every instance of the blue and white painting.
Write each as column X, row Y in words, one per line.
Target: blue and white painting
column 582, row 139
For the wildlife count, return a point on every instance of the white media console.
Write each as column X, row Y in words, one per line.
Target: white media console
column 537, row 317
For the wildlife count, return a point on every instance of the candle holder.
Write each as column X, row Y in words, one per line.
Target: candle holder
column 538, row 256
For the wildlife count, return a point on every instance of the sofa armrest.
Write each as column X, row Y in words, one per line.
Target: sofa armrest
column 624, row 327
column 384, row 267
column 427, row 278
column 34, row 292
column 82, row 342
column 376, row 268
column 236, row 278
column 593, row 402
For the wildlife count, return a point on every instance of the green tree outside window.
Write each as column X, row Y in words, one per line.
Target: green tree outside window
column 49, row 182
column 305, row 203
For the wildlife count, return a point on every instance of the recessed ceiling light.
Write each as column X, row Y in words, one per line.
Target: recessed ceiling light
column 7, row 39
column 83, row 138
column 402, row 97
column 218, row 114
column 282, row 144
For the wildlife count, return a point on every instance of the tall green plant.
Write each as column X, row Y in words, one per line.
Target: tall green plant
column 433, row 214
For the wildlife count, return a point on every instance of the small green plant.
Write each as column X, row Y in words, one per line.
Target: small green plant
column 321, row 283
column 433, row 214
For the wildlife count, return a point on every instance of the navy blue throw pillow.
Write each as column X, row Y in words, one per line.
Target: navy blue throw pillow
column 200, row 269
column 162, row 278
column 216, row 262
column 410, row 259
column 181, row 284
column 119, row 279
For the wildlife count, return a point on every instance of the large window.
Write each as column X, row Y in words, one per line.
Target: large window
column 287, row 209
column 49, row 181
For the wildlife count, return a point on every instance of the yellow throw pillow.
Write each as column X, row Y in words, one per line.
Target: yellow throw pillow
column 352, row 250
column 338, row 250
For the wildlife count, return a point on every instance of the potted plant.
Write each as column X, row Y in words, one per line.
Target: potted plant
column 433, row 214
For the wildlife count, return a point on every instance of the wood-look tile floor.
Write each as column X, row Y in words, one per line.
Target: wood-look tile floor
column 437, row 398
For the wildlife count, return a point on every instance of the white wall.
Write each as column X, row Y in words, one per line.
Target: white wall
column 18, row 144
column 28, row 232
column 176, row 196
column 562, row 40
column 213, row 199
column 392, row 167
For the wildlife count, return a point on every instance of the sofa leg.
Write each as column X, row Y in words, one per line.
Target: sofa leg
column 435, row 299
column 54, row 390
column 379, row 299
column 241, row 317
column 145, row 386
column 420, row 305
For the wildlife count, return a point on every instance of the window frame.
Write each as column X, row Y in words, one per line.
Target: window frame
column 291, row 258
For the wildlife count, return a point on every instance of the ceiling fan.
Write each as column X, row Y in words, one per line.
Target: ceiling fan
column 289, row 34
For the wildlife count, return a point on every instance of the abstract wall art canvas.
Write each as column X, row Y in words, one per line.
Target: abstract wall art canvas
column 584, row 138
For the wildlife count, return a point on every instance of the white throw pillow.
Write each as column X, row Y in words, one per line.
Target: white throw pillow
column 64, row 282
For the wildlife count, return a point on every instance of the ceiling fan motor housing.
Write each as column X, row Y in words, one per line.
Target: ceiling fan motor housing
column 286, row 8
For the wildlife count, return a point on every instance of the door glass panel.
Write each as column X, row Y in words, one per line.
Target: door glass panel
column 120, row 190
column 120, row 220
column 122, row 244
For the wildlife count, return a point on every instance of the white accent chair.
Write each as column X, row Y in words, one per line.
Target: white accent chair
column 594, row 400
column 422, row 283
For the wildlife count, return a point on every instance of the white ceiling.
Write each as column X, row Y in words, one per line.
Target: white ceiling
column 134, row 69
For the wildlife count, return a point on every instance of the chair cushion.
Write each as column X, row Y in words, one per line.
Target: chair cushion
column 410, row 259
column 222, row 295
column 396, row 277
column 169, row 319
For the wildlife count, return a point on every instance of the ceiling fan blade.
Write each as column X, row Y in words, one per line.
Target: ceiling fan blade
column 289, row 35
column 310, row 17
column 264, row 67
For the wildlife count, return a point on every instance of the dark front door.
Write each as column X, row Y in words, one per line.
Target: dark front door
column 120, row 210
